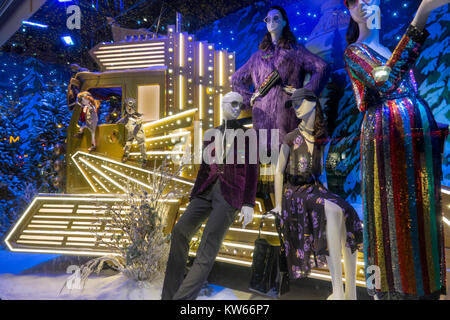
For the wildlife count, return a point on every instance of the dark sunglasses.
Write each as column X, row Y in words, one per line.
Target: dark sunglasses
column 274, row 19
column 236, row 104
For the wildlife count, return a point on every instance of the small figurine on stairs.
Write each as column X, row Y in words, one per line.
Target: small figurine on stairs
column 133, row 124
column 89, row 108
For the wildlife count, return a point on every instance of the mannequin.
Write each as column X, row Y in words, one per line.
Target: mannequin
column 278, row 51
column 89, row 111
column 305, row 105
column 133, row 125
column 400, row 146
column 231, row 109
column 221, row 190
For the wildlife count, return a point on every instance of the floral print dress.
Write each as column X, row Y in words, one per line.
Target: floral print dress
column 303, row 219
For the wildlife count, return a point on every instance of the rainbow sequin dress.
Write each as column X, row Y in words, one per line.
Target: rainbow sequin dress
column 401, row 172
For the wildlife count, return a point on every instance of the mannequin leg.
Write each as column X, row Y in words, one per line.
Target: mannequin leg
column 91, row 124
column 92, row 130
column 188, row 224
column 220, row 219
column 349, row 267
column 127, row 148
column 334, row 230
column 140, row 138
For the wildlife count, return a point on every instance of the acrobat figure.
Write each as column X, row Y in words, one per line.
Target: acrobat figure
column 89, row 114
column 133, row 124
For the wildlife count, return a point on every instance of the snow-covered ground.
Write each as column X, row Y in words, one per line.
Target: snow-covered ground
column 115, row 287
column 16, row 286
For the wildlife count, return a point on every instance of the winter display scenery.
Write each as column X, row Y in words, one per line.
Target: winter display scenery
column 34, row 117
column 134, row 269
column 18, row 281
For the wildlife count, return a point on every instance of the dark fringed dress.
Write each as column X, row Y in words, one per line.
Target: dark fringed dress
column 303, row 219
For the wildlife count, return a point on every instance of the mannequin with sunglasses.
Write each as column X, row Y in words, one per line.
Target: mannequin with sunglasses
column 220, row 191
column 400, row 158
column 314, row 221
column 278, row 51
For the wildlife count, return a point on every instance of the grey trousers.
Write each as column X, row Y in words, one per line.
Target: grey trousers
column 221, row 215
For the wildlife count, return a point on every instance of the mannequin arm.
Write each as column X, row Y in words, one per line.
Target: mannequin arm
column 323, row 177
column 279, row 175
column 316, row 66
column 139, row 121
column 426, row 6
column 246, row 214
column 251, row 178
column 388, row 77
column 122, row 120
column 241, row 81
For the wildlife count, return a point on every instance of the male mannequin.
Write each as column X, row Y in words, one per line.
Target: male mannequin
column 220, row 191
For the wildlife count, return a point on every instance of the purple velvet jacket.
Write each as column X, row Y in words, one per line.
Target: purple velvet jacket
column 293, row 65
column 237, row 181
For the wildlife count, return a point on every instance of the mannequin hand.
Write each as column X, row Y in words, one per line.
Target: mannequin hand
column 430, row 5
column 289, row 90
column 276, row 210
column 252, row 100
column 246, row 214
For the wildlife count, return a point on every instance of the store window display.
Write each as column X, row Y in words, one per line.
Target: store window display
column 315, row 222
column 400, row 158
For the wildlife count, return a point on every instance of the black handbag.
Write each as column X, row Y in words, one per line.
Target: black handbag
column 269, row 275
column 270, row 81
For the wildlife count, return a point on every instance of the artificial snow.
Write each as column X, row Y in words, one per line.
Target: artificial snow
column 116, row 287
column 15, row 285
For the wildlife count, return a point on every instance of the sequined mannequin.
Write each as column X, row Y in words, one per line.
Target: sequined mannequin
column 400, row 163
